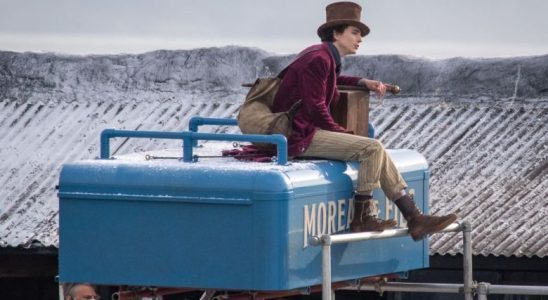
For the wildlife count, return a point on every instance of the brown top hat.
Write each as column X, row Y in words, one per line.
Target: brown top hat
column 343, row 13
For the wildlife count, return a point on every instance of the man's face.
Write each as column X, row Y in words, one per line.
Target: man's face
column 83, row 292
column 348, row 41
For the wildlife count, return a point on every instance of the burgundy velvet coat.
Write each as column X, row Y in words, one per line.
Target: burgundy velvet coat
column 312, row 78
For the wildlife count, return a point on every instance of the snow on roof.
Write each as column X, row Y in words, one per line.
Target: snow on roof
column 488, row 157
column 488, row 162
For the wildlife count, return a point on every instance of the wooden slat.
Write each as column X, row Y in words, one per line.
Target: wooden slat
column 352, row 111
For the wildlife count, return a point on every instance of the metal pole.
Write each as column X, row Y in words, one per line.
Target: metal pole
column 518, row 290
column 61, row 292
column 482, row 290
column 326, row 267
column 197, row 121
column 371, row 235
column 208, row 294
column 279, row 140
column 327, row 240
column 467, row 261
column 447, row 288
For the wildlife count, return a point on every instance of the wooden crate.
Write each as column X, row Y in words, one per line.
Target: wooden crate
column 352, row 111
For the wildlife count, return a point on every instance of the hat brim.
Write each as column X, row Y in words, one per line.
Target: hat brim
column 363, row 28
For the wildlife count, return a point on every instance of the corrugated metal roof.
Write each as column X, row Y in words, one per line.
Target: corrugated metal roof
column 488, row 154
column 489, row 161
column 489, row 164
column 39, row 137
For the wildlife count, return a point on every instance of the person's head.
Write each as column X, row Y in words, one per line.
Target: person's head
column 341, row 16
column 348, row 41
column 79, row 291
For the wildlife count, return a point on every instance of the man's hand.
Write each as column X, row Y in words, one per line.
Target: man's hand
column 374, row 85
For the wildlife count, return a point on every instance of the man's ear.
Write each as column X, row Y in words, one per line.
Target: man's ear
column 336, row 35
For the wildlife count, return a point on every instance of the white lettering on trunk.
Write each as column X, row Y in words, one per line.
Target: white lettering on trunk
column 321, row 220
column 326, row 218
column 309, row 223
column 332, row 206
column 340, row 216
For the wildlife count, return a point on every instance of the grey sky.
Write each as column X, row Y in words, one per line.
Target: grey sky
column 434, row 28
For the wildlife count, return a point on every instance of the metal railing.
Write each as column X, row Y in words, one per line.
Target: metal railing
column 189, row 137
column 195, row 122
column 483, row 289
column 468, row 288
column 326, row 241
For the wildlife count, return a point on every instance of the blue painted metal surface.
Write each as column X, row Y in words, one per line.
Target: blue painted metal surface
column 195, row 122
column 370, row 130
column 232, row 225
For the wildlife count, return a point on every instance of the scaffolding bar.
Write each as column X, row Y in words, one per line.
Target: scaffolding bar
column 483, row 289
column 326, row 268
column 517, row 289
column 467, row 261
column 327, row 240
column 365, row 236
column 409, row 287
column 208, row 294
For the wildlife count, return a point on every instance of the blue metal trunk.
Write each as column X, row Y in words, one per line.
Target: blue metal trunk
column 223, row 225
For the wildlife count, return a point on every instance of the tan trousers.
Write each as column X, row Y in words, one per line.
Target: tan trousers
column 376, row 167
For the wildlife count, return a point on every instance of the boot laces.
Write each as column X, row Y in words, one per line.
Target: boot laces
column 370, row 208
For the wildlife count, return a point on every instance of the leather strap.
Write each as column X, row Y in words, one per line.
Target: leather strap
column 282, row 73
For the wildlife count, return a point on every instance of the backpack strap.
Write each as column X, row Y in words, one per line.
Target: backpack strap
column 311, row 49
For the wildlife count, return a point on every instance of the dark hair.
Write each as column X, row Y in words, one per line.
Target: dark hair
column 327, row 34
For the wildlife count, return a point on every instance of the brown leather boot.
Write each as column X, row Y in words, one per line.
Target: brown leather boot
column 365, row 216
column 421, row 225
